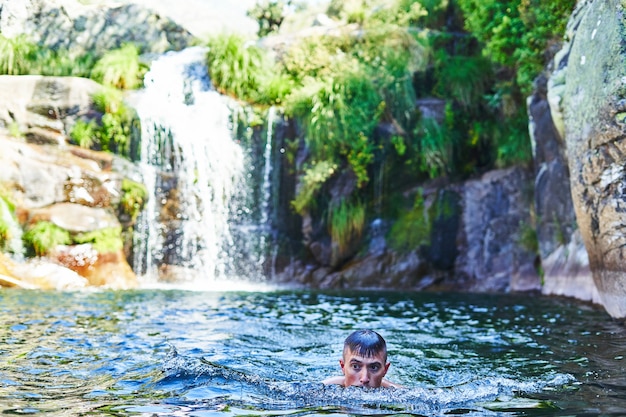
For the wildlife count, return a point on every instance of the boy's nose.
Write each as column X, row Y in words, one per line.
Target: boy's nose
column 364, row 377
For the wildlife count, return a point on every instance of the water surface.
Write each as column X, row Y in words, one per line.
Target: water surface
column 184, row 353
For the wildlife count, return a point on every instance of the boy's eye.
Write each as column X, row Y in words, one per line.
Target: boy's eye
column 356, row 367
column 374, row 367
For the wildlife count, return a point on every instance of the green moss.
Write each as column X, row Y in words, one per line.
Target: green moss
column 103, row 240
column 412, row 229
column 44, row 236
column 528, row 238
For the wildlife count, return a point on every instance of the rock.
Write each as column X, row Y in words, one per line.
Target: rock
column 110, row 270
column 75, row 218
column 595, row 86
column 95, row 28
column 45, row 107
column 563, row 254
column 43, row 274
column 495, row 208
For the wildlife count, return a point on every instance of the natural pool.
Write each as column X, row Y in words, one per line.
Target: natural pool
column 261, row 353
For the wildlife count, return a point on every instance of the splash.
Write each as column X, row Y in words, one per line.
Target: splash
column 187, row 375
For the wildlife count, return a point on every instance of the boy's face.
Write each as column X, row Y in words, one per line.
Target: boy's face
column 361, row 371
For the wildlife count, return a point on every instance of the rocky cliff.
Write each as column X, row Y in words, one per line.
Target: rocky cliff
column 587, row 96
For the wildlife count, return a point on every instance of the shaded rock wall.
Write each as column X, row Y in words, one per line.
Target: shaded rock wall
column 590, row 74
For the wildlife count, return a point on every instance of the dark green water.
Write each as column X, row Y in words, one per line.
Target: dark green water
column 222, row 354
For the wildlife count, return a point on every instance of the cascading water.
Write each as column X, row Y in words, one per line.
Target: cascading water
column 194, row 170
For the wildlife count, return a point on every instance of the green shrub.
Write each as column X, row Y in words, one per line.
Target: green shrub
column 345, row 223
column 16, row 55
column 313, row 179
column 60, row 62
column 114, row 134
column 120, row 68
column 44, row 236
column 133, row 198
column 84, row 133
column 103, row 240
column 237, row 67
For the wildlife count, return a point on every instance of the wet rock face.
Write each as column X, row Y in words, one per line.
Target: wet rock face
column 593, row 105
column 492, row 256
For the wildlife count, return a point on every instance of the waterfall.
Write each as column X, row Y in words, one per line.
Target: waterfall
column 267, row 167
column 195, row 172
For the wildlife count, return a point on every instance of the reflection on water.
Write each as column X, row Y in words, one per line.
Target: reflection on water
column 154, row 352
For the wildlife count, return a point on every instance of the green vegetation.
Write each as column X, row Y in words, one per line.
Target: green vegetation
column 476, row 58
column 345, row 223
column 412, row 229
column 237, row 67
column 114, row 132
column 120, row 68
column 117, row 69
column 44, row 236
column 103, row 240
column 7, row 221
column 133, row 199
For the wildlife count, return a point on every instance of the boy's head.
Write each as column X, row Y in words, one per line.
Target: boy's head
column 366, row 343
column 364, row 361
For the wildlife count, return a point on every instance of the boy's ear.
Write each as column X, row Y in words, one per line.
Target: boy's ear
column 343, row 364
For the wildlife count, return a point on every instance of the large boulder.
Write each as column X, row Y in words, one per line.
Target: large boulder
column 95, row 28
column 45, row 107
column 590, row 97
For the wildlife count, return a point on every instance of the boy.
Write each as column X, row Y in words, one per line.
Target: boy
column 364, row 362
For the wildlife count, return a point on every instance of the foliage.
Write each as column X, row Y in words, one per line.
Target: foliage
column 103, row 240
column 120, row 68
column 84, row 133
column 133, row 198
column 435, row 148
column 269, row 14
column 466, row 78
column 528, row 238
column 16, row 55
column 477, row 57
column 340, row 114
column 59, row 62
column 312, row 181
column 237, row 67
column 345, row 223
column 412, row 229
column 20, row 56
column 516, row 32
column 115, row 129
column 14, row 129
column 6, row 219
column 44, row 236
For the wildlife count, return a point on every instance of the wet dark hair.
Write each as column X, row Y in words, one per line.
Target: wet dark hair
column 366, row 343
